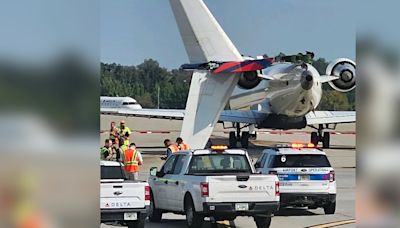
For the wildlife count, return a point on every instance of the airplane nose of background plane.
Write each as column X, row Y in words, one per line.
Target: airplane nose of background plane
column 307, row 80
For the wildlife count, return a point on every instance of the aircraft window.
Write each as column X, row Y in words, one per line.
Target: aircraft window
column 129, row 103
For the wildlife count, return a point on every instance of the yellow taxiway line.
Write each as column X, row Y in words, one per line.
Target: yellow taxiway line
column 333, row 224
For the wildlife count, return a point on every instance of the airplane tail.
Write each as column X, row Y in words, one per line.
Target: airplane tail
column 204, row 41
column 203, row 37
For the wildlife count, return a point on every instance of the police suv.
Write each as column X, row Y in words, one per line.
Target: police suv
column 220, row 183
column 306, row 177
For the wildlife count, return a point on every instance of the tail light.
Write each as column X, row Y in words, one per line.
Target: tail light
column 147, row 193
column 273, row 172
column 277, row 193
column 331, row 176
column 204, row 189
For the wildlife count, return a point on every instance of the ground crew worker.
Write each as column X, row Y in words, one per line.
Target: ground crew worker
column 124, row 130
column 113, row 132
column 124, row 142
column 106, row 152
column 132, row 159
column 171, row 148
column 181, row 145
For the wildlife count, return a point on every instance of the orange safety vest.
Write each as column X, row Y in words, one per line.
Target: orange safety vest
column 183, row 146
column 131, row 161
column 174, row 148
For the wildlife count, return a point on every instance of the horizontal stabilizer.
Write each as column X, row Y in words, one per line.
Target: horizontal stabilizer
column 230, row 67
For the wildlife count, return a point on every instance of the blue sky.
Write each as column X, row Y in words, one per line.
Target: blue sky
column 134, row 30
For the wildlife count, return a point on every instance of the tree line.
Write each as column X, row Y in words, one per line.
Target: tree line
column 147, row 80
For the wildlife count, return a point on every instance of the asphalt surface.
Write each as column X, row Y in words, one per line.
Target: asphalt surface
column 341, row 155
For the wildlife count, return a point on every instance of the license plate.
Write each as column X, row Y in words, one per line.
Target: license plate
column 242, row 206
column 130, row 216
column 304, row 177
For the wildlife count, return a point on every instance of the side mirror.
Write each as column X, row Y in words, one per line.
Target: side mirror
column 160, row 174
column 153, row 171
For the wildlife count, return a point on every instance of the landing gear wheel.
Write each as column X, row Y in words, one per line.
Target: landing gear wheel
column 244, row 140
column 314, row 138
column 155, row 214
column 330, row 208
column 326, row 140
column 193, row 219
column 232, row 140
column 262, row 222
column 137, row 224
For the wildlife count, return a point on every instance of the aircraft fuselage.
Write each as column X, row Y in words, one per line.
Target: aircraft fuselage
column 294, row 91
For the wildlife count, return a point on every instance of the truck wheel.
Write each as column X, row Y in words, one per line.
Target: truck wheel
column 155, row 214
column 193, row 219
column 330, row 208
column 262, row 222
column 137, row 224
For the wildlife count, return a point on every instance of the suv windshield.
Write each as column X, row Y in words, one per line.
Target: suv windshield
column 219, row 163
column 112, row 172
column 304, row 160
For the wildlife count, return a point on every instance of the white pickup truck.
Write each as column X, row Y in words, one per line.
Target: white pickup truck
column 122, row 201
column 219, row 183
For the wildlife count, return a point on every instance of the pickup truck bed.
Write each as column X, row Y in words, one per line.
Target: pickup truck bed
column 122, row 201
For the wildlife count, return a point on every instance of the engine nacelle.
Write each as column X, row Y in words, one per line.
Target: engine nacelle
column 345, row 69
column 249, row 80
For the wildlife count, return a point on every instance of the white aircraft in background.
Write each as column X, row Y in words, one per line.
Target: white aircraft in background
column 118, row 103
column 277, row 95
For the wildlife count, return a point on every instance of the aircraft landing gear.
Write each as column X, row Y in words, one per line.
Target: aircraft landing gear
column 321, row 136
column 253, row 132
column 235, row 137
column 232, row 140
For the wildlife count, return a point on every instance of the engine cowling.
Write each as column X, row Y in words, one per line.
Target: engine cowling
column 249, row 80
column 345, row 69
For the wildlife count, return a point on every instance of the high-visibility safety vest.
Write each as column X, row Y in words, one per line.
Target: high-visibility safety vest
column 104, row 152
column 131, row 161
column 183, row 146
column 125, row 146
column 125, row 130
column 174, row 148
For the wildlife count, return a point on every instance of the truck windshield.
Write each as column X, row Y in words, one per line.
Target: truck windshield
column 219, row 163
column 304, row 160
column 112, row 172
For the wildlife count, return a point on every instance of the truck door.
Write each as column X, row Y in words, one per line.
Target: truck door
column 175, row 192
column 161, row 184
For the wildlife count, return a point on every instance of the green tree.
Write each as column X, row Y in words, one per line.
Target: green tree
column 333, row 100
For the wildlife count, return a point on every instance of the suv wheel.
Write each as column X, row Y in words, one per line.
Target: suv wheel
column 193, row 219
column 330, row 208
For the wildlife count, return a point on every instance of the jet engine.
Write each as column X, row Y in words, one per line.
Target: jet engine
column 345, row 69
column 249, row 80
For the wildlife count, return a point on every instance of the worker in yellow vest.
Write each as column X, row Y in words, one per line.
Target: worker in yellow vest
column 181, row 145
column 132, row 159
column 123, row 129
